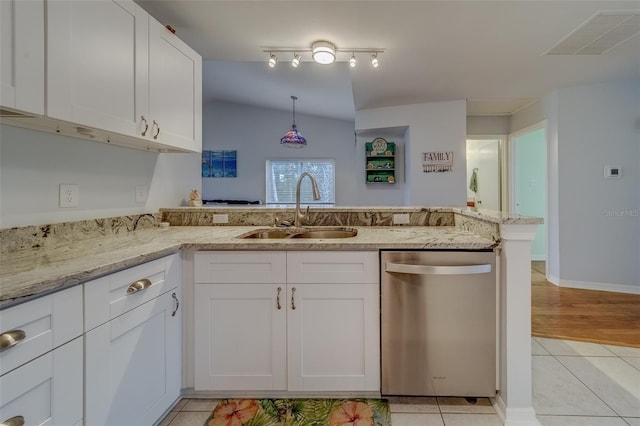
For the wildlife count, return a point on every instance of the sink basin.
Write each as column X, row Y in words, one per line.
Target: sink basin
column 301, row 233
column 327, row 233
column 269, row 233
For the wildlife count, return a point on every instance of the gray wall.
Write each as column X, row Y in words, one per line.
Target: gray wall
column 255, row 134
column 595, row 221
column 33, row 164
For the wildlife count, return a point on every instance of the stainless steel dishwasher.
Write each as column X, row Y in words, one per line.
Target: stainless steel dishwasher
column 438, row 323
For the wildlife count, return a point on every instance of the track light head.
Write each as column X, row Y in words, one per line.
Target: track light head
column 295, row 62
column 374, row 60
column 352, row 60
column 273, row 60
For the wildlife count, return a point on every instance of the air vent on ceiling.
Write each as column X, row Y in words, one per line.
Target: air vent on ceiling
column 600, row 33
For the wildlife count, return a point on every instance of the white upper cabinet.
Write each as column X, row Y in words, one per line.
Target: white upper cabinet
column 22, row 56
column 175, row 90
column 113, row 68
column 96, row 64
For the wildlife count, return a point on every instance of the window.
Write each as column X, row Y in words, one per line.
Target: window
column 282, row 178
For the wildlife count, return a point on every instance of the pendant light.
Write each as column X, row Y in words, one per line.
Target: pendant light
column 293, row 138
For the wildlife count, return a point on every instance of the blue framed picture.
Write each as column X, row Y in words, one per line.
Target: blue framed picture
column 219, row 164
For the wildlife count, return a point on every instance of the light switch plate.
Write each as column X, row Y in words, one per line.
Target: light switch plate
column 142, row 193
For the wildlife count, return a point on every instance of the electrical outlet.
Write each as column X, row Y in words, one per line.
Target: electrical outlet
column 401, row 219
column 69, row 195
column 220, row 218
column 142, row 193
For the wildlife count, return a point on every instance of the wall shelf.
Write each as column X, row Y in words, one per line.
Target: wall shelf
column 380, row 161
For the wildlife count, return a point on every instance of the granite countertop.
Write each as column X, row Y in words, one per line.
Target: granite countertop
column 26, row 274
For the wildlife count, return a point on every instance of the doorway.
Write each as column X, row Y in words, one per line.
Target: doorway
column 529, row 182
column 484, row 173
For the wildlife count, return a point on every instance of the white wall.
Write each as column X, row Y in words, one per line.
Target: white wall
column 488, row 125
column 255, row 133
column 33, row 165
column 436, row 126
column 594, row 223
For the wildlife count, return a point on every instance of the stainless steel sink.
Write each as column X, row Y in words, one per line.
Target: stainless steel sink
column 324, row 232
column 327, row 233
column 268, row 233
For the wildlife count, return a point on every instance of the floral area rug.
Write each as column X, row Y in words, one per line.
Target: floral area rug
column 300, row 412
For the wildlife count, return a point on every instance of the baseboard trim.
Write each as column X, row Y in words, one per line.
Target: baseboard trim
column 553, row 279
column 586, row 285
column 514, row 416
column 539, row 257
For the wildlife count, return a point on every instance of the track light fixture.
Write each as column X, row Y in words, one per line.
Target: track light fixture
column 322, row 52
column 273, row 59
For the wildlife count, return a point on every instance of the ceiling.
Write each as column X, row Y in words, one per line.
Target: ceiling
column 489, row 52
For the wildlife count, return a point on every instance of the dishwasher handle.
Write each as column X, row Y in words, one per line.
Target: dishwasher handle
column 404, row 268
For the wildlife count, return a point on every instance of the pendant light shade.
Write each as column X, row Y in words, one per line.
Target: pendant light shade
column 293, row 138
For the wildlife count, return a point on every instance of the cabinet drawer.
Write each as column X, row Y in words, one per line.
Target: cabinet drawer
column 46, row 323
column 332, row 267
column 110, row 296
column 47, row 390
column 244, row 267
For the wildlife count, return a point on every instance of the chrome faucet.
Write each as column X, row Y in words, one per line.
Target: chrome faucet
column 316, row 196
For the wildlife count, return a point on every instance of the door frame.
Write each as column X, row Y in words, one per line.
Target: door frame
column 511, row 155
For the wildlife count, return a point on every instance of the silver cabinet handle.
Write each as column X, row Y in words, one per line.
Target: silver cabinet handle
column 146, row 125
column 175, row 298
column 157, row 126
column 293, row 300
column 138, row 286
column 13, row 421
column 10, row 338
column 278, row 299
column 405, row 268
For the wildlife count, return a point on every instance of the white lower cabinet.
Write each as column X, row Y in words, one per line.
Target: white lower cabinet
column 294, row 321
column 133, row 364
column 41, row 361
column 45, row 391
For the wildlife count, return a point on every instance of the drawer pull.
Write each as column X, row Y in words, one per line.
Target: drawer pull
column 13, row 421
column 293, row 300
column 138, row 286
column 173, row 314
column 10, row 338
column 278, row 305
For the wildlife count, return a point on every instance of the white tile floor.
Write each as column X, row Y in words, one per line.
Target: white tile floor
column 574, row 384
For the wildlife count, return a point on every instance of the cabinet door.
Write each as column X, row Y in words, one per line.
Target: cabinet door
column 47, row 390
column 333, row 337
column 22, row 55
column 97, row 64
column 175, row 90
column 240, row 337
column 133, row 365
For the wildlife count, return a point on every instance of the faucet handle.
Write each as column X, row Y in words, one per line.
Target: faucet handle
column 275, row 221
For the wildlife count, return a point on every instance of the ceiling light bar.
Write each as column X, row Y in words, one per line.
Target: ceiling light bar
column 322, row 52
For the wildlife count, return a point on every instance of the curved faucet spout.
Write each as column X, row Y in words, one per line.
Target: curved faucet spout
column 316, row 196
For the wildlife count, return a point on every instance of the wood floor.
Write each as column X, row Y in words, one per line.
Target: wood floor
column 586, row 315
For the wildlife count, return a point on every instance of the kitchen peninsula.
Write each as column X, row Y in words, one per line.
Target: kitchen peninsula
column 36, row 263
